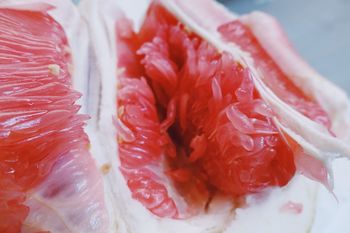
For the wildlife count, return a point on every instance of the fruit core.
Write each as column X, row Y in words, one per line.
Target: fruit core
column 190, row 119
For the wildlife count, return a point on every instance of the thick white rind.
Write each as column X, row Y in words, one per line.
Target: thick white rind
column 129, row 215
column 101, row 97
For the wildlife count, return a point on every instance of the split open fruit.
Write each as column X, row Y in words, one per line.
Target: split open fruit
column 198, row 120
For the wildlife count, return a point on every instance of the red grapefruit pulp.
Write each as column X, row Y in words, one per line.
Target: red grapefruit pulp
column 43, row 148
column 192, row 114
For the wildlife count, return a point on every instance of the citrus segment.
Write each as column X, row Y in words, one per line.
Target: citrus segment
column 141, row 146
column 40, row 129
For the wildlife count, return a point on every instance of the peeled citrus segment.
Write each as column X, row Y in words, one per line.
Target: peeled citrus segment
column 141, row 147
column 48, row 179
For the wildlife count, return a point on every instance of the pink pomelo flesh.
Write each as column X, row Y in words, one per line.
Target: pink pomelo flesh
column 190, row 117
column 272, row 75
column 40, row 129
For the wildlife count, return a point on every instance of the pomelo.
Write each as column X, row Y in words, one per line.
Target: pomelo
column 200, row 121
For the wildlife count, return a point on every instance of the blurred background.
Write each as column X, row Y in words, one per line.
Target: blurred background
column 319, row 30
